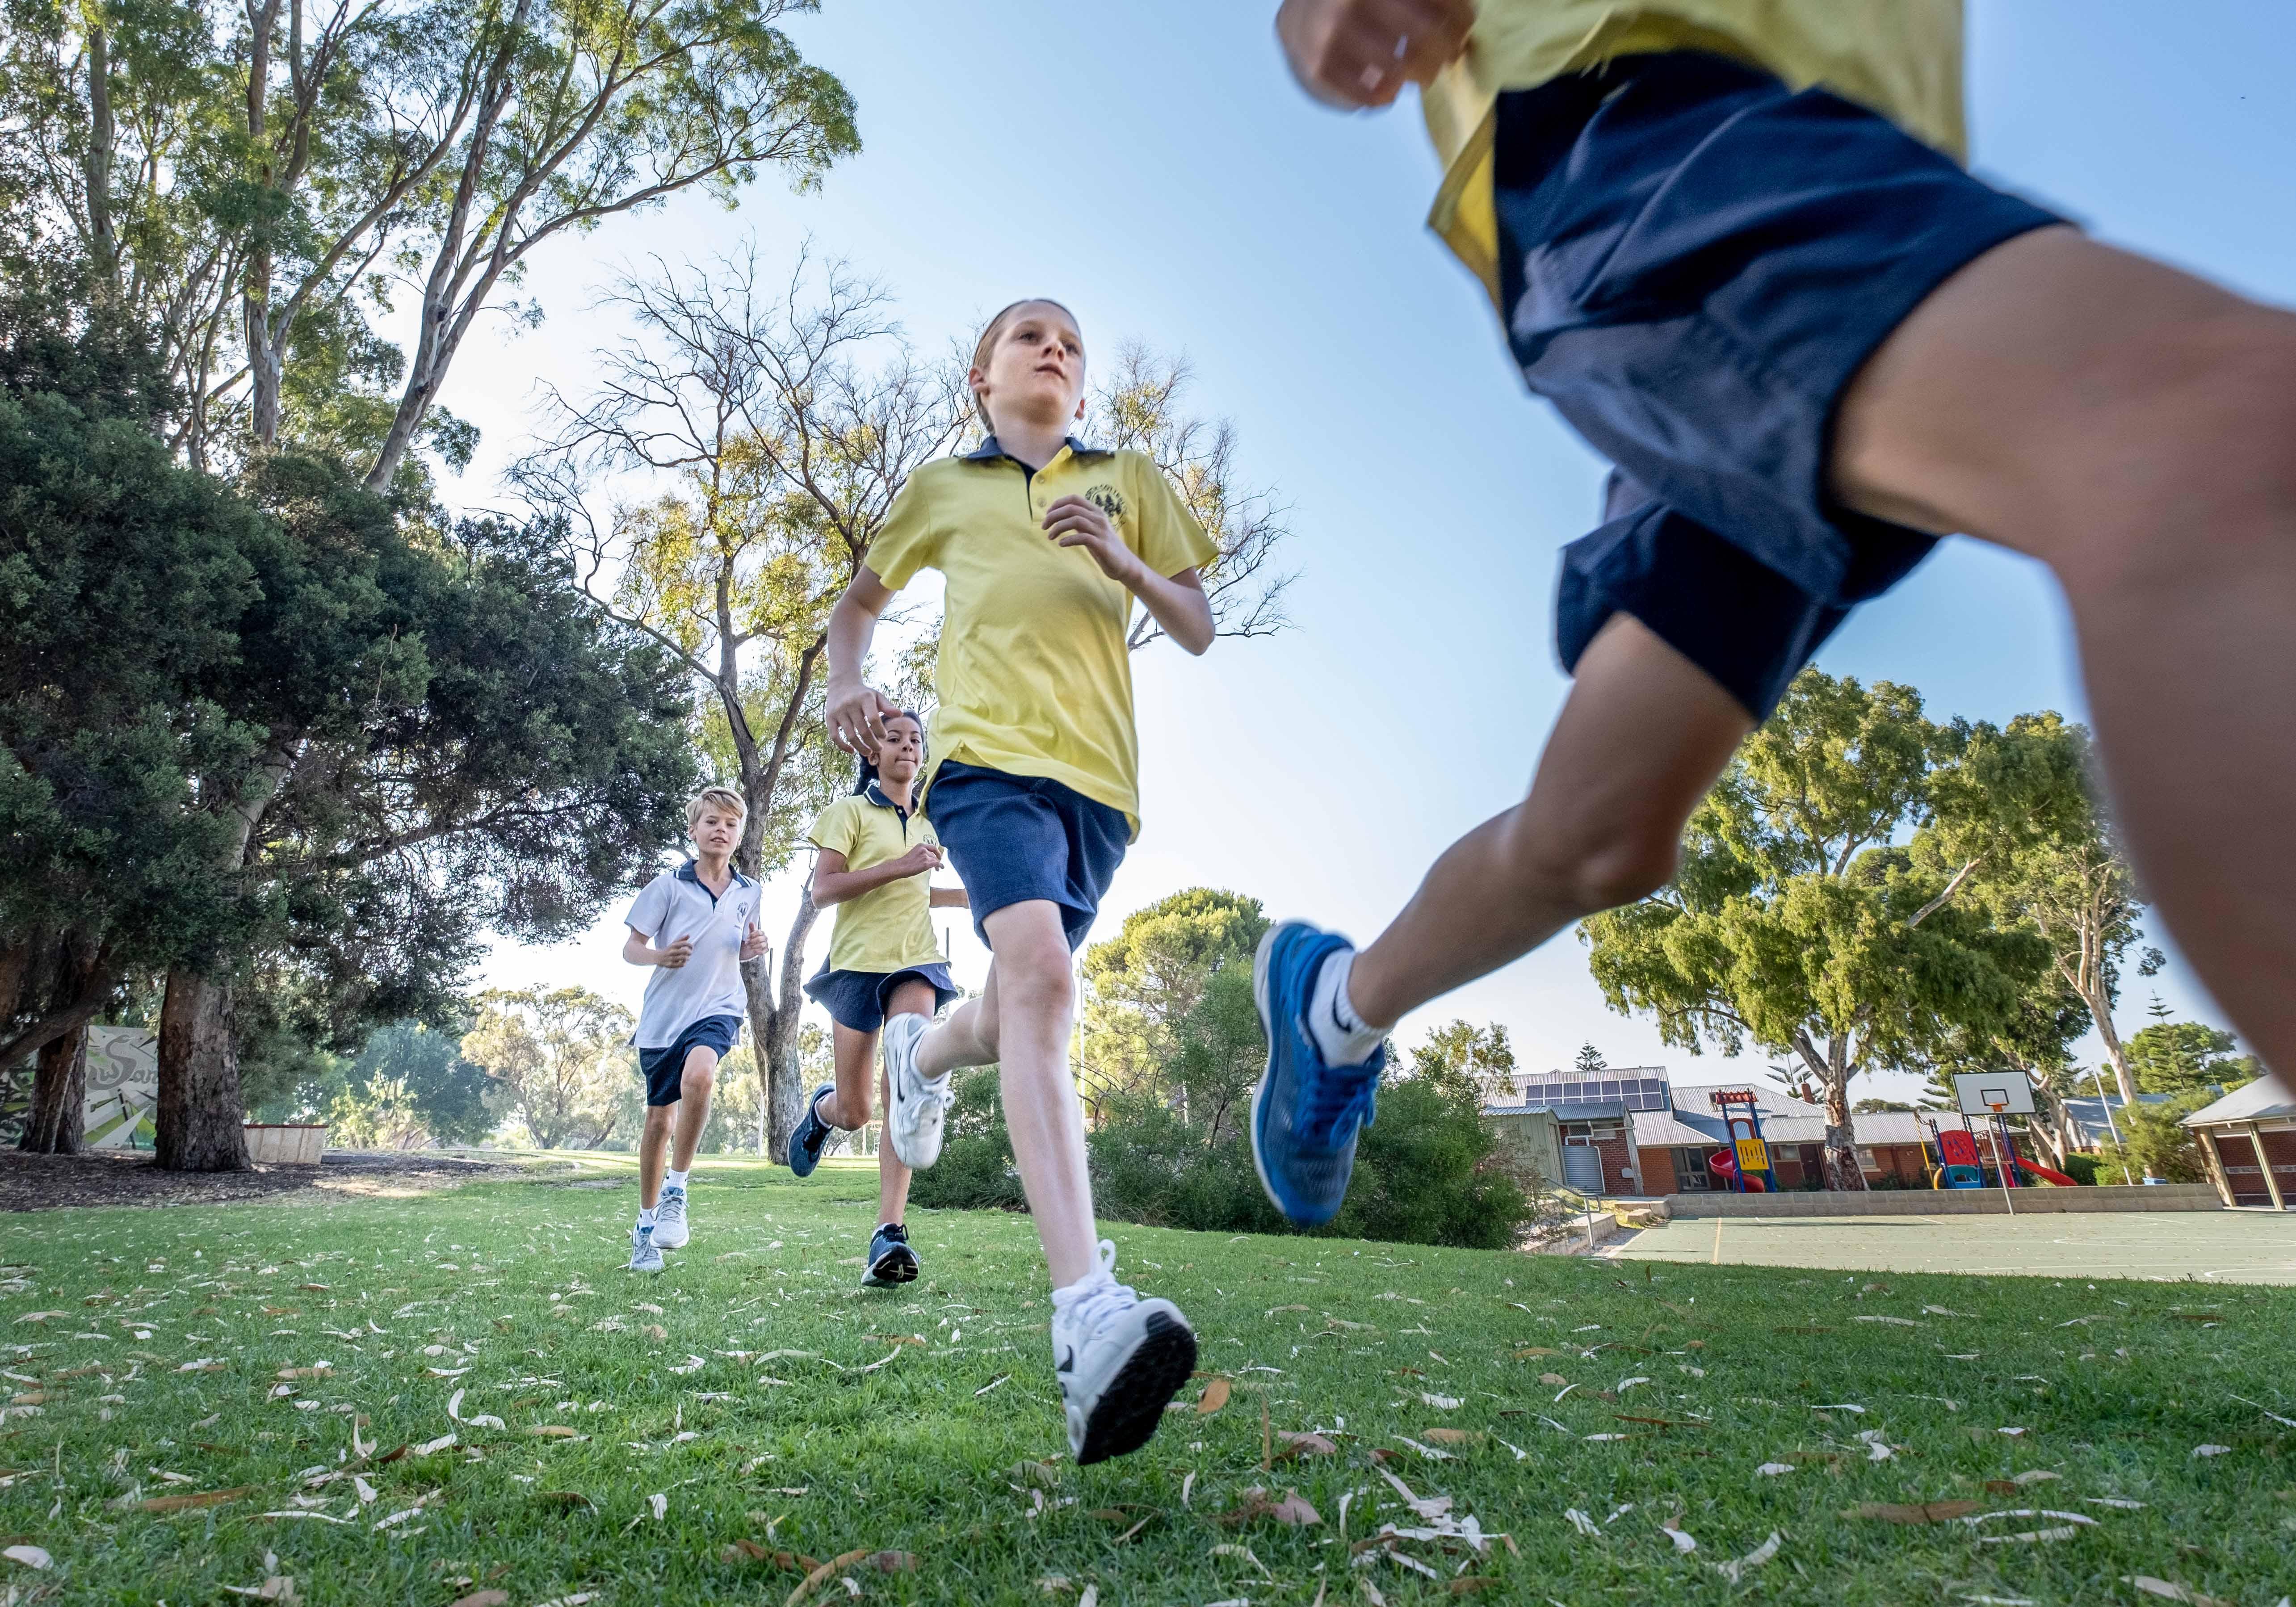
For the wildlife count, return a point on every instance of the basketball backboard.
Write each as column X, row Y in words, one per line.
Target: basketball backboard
column 1992, row 1093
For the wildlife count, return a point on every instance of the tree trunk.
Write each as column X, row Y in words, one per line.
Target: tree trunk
column 57, row 1122
column 1843, row 1170
column 773, row 1027
column 201, row 1113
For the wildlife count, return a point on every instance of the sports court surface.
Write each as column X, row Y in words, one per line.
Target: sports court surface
column 2223, row 1247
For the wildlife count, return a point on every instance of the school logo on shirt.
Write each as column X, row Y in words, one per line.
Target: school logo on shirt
column 1107, row 499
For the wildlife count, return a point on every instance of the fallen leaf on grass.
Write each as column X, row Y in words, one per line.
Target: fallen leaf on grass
column 2212, row 1450
column 1450, row 1436
column 1215, row 1396
column 1927, row 1512
column 1552, row 1379
column 30, row 1556
column 1308, row 1445
column 1442, row 1403
column 1581, row 1521
column 554, row 1431
column 1292, row 1510
column 1683, row 1543
column 276, row 1588
column 1529, row 1351
column 834, row 1565
column 2173, row 1591
column 1002, row 1378
column 1242, row 1551
column 1753, row 1559
column 175, row 1504
column 655, row 1331
column 482, row 1598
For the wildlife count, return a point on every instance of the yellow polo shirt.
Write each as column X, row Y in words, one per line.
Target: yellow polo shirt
column 888, row 928
column 1034, row 677
column 1901, row 58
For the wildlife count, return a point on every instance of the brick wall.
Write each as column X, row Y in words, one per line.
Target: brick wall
column 1659, row 1176
column 1617, row 1177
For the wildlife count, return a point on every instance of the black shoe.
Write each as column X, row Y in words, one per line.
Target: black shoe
column 812, row 1135
column 892, row 1261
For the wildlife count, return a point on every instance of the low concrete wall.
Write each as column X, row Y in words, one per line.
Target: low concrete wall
column 1951, row 1202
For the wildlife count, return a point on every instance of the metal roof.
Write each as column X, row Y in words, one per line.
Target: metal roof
column 2266, row 1098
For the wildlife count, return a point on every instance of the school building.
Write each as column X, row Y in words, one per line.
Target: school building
column 1632, row 1131
column 2248, row 1140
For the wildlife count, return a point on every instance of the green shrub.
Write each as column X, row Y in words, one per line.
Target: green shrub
column 2153, row 1145
column 975, row 1171
column 2081, row 1168
column 1425, row 1170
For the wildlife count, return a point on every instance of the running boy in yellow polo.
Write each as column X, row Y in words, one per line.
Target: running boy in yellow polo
column 1046, row 544
column 877, row 856
column 1731, row 241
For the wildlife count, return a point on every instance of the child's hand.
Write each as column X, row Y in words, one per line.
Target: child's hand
column 753, row 943
column 856, row 716
column 1074, row 523
column 1353, row 54
column 676, row 955
column 921, row 859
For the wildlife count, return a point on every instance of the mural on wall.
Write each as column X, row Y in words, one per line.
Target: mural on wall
column 123, row 1087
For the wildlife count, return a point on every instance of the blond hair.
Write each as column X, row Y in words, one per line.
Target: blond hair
column 982, row 347
column 724, row 798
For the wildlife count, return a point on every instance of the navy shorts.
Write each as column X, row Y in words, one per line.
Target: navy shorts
column 1695, row 261
column 1013, row 837
column 664, row 1068
column 858, row 998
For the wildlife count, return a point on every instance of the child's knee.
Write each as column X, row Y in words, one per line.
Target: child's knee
column 1599, row 864
column 700, row 1076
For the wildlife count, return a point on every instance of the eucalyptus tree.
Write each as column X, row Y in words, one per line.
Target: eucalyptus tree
column 1801, row 924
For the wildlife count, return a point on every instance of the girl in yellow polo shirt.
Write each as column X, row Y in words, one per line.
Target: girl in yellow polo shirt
column 1045, row 544
column 876, row 866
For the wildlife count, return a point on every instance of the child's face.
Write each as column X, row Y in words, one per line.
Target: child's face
column 1035, row 368
column 717, row 831
column 903, row 751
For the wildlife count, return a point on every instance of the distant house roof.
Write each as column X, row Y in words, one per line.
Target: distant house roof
column 1769, row 1100
column 2267, row 1098
column 2088, row 1114
column 1663, row 1129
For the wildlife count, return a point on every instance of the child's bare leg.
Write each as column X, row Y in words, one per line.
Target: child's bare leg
column 1020, row 1021
column 910, row 998
column 653, row 1149
column 2134, row 429
column 855, row 1054
column 696, row 1085
column 1640, row 739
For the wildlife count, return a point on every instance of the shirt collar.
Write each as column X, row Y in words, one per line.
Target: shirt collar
column 687, row 873
column 989, row 451
column 876, row 795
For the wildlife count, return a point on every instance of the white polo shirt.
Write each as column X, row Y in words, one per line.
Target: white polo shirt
column 675, row 904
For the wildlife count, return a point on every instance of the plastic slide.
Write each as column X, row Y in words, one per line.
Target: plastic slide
column 2044, row 1174
column 1724, row 1165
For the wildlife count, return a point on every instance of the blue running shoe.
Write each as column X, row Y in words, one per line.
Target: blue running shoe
column 892, row 1261
column 645, row 1255
column 1305, row 1115
column 812, row 1135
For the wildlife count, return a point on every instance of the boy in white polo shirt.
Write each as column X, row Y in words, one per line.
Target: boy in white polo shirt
column 697, row 925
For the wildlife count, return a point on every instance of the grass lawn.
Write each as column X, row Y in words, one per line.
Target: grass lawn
column 705, row 1435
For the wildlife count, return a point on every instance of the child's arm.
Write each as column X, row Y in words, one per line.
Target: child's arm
column 638, row 951
column 950, row 898
column 856, row 714
column 1177, row 602
column 1354, row 53
column 832, row 883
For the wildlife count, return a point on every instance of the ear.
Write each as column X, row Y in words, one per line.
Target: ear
column 1079, row 412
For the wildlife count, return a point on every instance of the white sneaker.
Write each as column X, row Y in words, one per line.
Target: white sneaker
column 669, row 1229
column 920, row 1103
column 645, row 1256
column 1119, row 1358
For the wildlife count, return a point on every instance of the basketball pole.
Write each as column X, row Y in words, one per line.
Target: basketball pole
column 2003, row 1160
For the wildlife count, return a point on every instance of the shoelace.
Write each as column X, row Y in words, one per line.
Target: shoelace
column 1099, row 1298
column 1329, row 1101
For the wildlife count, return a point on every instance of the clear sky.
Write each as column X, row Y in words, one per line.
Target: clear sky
column 1153, row 167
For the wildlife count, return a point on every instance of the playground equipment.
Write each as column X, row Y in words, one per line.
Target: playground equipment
column 1747, row 1162
column 1957, row 1159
